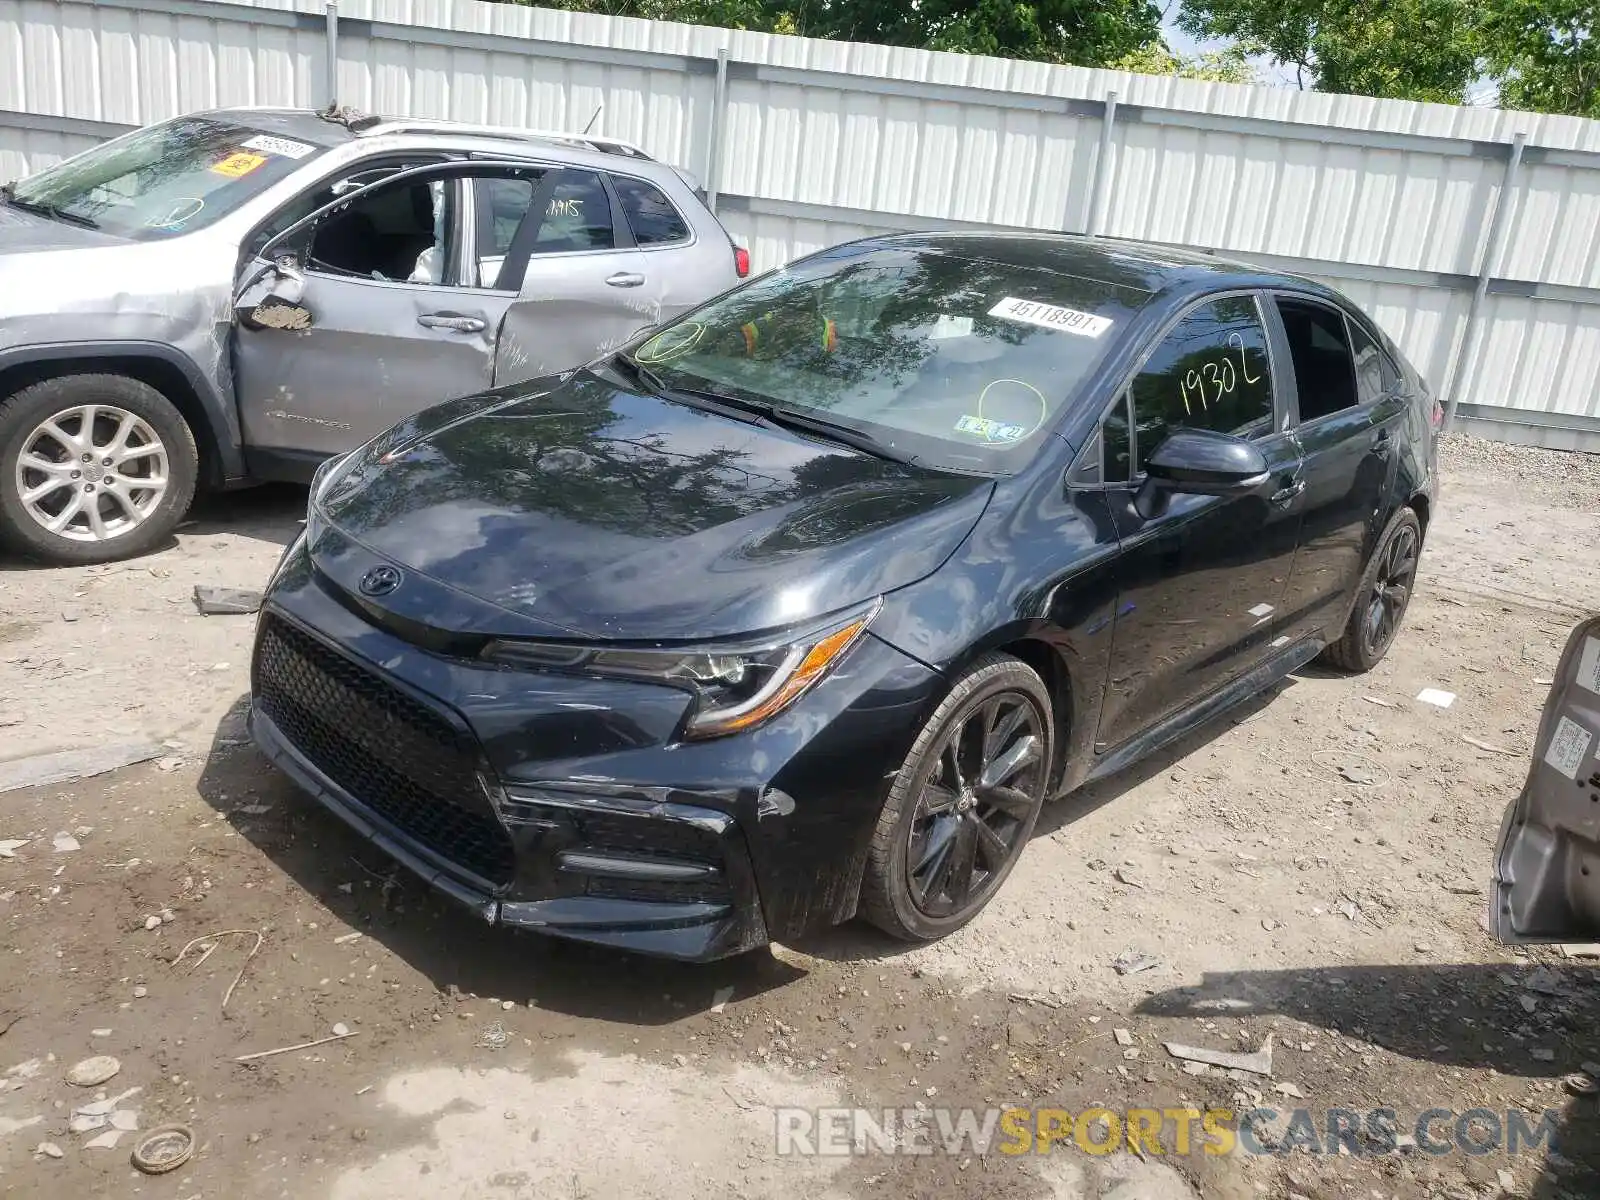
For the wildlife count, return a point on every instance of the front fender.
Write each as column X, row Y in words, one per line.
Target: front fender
column 205, row 403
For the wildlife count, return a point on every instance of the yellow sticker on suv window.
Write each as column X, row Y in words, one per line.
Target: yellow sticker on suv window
column 239, row 164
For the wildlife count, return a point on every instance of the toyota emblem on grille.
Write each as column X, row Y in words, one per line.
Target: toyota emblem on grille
column 379, row 581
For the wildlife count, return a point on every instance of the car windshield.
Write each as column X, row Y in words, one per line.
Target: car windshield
column 939, row 355
column 165, row 180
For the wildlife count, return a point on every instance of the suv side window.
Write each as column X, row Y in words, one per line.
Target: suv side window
column 400, row 232
column 1320, row 346
column 303, row 205
column 1210, row 372
column 501, row 206
column 578, row 216
column 651, row 216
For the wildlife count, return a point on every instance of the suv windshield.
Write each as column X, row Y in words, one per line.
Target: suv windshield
column 952, row 359
column 165, row 180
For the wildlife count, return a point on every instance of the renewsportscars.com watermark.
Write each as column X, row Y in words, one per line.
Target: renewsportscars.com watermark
column 1181, row 1131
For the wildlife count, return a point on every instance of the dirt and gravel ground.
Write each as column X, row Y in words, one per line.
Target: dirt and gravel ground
column 1311, row 867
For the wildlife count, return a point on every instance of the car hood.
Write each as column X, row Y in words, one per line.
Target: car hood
column 24, row 231
column 49, row 268
column 582, row 507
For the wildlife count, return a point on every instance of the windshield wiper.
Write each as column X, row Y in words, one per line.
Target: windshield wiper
column 642, row 373
column 837, row 431
column 726, row 406
column 742, row 408
column 46, row 210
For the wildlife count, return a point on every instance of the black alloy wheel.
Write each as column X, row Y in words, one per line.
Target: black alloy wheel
column 1382, row 598
column 964, row 804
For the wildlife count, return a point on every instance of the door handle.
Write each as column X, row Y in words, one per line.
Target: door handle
column 453, row 321
column 625, row 279
column 1286, row 494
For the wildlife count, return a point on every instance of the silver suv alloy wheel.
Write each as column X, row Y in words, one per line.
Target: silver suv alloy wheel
column 92, row 473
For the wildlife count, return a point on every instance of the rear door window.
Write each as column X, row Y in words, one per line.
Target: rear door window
column 652, row 218
column 1324, row 368
column 578, row 216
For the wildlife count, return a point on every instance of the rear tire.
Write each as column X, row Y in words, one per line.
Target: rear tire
column 1382, row 598
column 964, row 803
column 93, row 468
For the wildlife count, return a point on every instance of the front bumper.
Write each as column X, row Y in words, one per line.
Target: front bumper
column 694, row 930
column 559, row 804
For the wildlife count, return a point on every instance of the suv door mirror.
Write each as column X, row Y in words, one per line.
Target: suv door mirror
column 1200, row 462
column 270, row 296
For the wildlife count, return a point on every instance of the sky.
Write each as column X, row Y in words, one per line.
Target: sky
column 1182, row 43
column 1177, row 38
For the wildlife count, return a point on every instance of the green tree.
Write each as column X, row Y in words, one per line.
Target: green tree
column 1082, row 32
column 1231, row 64
column 1544, row 54
column 764, row 16
column 1405, row 49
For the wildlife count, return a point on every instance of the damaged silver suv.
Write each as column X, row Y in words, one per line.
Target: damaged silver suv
column 236, row 295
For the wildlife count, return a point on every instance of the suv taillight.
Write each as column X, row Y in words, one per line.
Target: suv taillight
column 1438, row 413
column 741, row 261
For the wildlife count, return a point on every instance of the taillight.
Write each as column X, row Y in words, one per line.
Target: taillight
column 741, row 261
column 1438, row 413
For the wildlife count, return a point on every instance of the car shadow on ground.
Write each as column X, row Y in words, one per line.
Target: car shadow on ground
column 1451, row 1016
column 856, row 940
column 456, row 950
column 270, row 512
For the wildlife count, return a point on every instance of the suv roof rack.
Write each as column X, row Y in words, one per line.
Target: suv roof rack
column 605, row 145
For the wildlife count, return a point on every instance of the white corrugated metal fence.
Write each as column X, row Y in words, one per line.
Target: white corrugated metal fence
column 814, row 142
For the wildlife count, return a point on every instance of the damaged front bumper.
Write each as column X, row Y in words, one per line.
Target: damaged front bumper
column 567, row 803
column 697, row 908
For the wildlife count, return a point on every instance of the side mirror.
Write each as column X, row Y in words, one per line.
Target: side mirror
column 291, row 279
column 271, row 300
column 1198, row 462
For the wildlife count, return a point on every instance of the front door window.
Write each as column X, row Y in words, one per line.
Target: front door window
column 1210, row 372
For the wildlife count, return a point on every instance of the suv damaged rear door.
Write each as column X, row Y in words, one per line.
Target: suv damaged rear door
column 1547, row 866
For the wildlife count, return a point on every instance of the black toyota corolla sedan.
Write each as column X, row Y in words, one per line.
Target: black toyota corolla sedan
column 804, row 604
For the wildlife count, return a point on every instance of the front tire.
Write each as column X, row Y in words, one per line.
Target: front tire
column 964, row 803
column 1382, row 599
column 93, row 468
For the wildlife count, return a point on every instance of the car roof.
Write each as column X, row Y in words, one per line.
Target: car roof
column 299, row 123
column 1143, row 266
column 337, row 127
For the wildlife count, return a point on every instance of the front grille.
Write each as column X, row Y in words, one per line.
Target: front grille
column 395, row 755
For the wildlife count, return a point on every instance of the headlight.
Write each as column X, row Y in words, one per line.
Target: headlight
column 736, row 687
